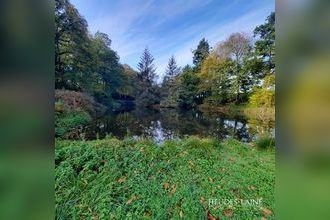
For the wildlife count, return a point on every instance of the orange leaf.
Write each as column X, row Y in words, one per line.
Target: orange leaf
column 173, row 190
column 166, row 185
column 266, row 211
column 228, row 213
column 132, row 199
column 210, row 216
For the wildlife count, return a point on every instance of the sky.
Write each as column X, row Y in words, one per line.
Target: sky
column 170, row 27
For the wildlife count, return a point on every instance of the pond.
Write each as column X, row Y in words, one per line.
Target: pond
column 165, row 124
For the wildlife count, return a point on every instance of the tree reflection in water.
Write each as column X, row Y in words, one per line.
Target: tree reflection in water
column 172, row 123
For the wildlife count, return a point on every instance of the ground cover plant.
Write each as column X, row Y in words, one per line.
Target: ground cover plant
column 192, row 178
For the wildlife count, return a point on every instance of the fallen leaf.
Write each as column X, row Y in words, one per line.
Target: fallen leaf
column 232, row 159
column 210, row 216
column 173, row 190
column 266, row 211
column 202, row 200
column 252, row 188
column 166, row 185
column 218, row 187
column 263, row 218
column 211, row 180
column 147, row 214
column 228, row 213
column 122, row 179
column 181, row 214
column 132, row 199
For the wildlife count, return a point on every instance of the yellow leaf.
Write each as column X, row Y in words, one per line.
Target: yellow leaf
column 173, row 190
column 166, row 185
column 266, row 211
column 132, row 199
column 228, row 213
column 181, row 214
column 210, row 216
column 122, row 180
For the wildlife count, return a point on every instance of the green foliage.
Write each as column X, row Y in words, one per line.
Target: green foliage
column 265, row 46
column 214, row 80
column 68, row 122
column 147, row 91
column 188, row 88
column 71, row 100
column 227, row 74
column 146, row 68
column 84, row 62
column 201, row 52
column 170, row 86
column 71, row 45
column 265, row 142
column 112, row 179
column 264, row 96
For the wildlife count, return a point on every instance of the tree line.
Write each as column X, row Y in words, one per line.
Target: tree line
column 237, row 70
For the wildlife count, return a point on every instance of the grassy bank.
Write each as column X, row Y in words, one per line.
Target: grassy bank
column 113, row 179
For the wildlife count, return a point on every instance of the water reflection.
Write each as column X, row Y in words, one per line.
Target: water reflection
column 171, row 123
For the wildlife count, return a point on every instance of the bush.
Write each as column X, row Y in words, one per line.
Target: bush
column 77, row 101
column 264, row 96
column 68, row 122
column 265, row 142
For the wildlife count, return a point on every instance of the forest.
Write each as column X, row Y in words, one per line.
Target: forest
column 238, row 70
column 130, row 144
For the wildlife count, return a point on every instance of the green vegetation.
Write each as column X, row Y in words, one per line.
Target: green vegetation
column 138, row 179
column 74, row 110
column 233, row 71
column 131, row 179
column 68, row 122
column 265, row 142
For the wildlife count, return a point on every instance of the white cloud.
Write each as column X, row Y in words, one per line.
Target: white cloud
column 122, row 22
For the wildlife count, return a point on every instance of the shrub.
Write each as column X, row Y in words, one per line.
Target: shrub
column 78, row 101
column 265, row 142
column 67, row 122
column 264, row 96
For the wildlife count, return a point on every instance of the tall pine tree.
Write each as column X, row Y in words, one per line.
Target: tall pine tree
column 172, row 69
column 147, row 90
column 202, row 51
column 146, row 67
column 265, row 46
column 169, row 89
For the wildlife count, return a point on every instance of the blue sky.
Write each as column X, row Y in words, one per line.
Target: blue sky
column 170, row 27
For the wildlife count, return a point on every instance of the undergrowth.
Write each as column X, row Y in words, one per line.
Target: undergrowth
column 138, row 179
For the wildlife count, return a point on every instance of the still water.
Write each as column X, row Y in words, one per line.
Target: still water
column 172, row 123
